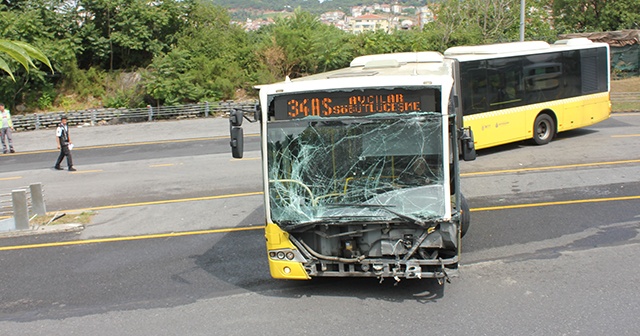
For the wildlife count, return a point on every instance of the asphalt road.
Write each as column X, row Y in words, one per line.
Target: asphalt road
column 551, row 249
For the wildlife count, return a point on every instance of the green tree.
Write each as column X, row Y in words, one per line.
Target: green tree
column 596, row 15
column 211, row 59
column 22, row 53
column 487, row 21
column 300, row 44
column 475, row 22
column 26, row 51
column 119, row 34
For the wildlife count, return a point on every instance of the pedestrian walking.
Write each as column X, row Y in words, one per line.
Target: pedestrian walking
column 64, row 144
column 6, row 129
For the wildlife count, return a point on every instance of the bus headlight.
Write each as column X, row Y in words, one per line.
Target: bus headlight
column 285, row 255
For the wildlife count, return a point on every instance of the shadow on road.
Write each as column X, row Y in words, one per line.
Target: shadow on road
column 241, row 261
column 577, row 133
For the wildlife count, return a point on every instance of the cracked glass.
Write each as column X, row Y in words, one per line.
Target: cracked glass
column 356, row 169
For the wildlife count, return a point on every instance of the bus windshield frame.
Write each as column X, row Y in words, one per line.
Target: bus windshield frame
column 345, row 169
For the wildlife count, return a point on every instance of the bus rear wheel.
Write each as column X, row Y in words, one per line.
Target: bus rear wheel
column 544, row 129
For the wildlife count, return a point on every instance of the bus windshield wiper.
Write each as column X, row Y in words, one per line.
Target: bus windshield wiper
column 296, row 225
column 332, row 220
column 411, row 219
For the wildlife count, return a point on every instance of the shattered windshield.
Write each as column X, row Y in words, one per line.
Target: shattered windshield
column 375, row 168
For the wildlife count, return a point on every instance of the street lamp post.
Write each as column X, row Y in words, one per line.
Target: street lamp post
column 521, row 20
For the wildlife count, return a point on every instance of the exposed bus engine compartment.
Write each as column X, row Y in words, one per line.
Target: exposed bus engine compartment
column 379, row 250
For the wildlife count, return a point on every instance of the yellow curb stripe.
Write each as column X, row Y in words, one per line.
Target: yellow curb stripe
column 87, row 171
column 132, row 144
column 181, row 200
column 592, row 164
column 129, row 238
column 201, row 232
column 532, row 205
column 10, row 178
column 625, row 135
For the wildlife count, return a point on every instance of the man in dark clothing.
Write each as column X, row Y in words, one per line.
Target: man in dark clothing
column 64, row 144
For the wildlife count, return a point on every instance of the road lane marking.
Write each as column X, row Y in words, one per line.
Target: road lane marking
column 10, row 178
column 533, row 205
column 247, row 228
column 87, row 171
column 625, row 135
column 180, row 200
column 130, row 238
column 577, row 165
column 162, row 165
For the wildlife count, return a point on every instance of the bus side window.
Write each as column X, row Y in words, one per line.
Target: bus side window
column 473, row 84
column 497, row 89
column 478, row 91
column 505, row 89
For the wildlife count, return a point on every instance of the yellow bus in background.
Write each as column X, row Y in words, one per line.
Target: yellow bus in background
column 516, row 91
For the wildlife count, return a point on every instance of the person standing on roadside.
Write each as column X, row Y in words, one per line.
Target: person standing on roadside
column 6, row 129
column 64, row 144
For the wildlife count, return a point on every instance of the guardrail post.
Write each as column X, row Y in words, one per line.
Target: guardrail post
column 20, row 210
column 37, row 121
column 37, row 199
column 150, row 112
column 93, row 117
column 206, row 109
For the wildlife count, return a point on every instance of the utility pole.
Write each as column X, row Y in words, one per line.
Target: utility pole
column 521, row 20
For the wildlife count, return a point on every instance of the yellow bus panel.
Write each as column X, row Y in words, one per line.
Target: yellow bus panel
column 277, row 239
column 515, row 124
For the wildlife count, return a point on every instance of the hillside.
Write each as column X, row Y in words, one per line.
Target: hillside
column 313, row 6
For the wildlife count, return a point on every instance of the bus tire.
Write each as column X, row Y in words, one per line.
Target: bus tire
column 544, row 129
column 465, row 216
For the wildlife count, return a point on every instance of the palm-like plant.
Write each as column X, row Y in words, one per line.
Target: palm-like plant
column 22, row 53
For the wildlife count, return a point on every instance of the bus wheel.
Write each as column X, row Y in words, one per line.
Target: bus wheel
column 544, row 129
column 465, row 218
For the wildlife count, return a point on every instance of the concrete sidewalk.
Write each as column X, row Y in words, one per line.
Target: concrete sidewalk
column 87, row 136
column 138, row 220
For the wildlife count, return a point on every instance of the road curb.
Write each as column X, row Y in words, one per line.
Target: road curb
column 36, row 230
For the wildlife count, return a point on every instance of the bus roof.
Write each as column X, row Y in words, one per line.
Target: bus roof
column 488, row 51
column 395, row 69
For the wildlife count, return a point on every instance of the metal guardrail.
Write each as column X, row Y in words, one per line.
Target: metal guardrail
column 625, row 97
column 118, row 116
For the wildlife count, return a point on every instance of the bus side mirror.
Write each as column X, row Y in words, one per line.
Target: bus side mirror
column 468, row 149
column 237, row 142
column 235, row 118
column 237, row 134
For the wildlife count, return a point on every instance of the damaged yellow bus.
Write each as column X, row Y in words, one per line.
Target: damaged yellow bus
column 361, row 171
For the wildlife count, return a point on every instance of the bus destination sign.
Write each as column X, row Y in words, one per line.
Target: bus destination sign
column 353, row 103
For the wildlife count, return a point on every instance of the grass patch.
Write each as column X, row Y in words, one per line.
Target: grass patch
column 83, row 218
column 625, row 94
column 626, row 85
column 625, row 106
